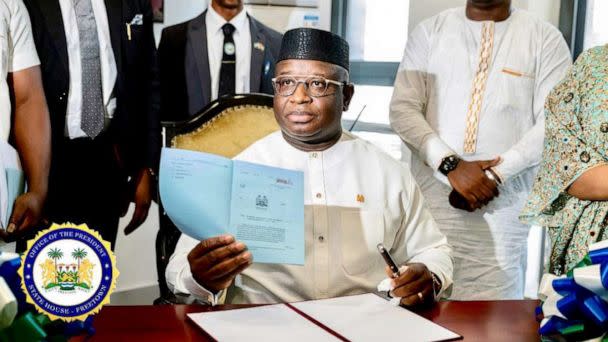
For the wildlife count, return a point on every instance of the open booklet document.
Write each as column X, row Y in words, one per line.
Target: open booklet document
column 365, row 317
column 207, row 195
column 12, row 181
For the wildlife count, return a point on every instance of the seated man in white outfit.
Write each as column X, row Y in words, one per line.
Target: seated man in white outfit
column 355, row 197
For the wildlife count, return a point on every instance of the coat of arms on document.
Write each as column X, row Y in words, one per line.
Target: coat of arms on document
column 261, row 201
column 68, row 272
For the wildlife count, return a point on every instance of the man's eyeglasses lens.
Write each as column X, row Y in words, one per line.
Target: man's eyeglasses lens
column 315, row 86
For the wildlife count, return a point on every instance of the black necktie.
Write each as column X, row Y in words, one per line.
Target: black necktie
column 228, row 69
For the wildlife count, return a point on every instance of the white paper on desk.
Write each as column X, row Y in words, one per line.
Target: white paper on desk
column 12, row 181
column 368, row 317
column 264, row 323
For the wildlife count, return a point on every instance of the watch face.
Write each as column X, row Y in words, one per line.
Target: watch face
column 448, row 164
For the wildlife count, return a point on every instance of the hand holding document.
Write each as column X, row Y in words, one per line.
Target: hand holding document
column 215, row 262
column 207, row 195
column 365, row 317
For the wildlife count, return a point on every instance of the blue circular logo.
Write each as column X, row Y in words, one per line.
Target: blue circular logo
column 68, row 272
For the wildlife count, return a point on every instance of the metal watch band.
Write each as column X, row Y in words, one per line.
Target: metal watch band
column 436, row 284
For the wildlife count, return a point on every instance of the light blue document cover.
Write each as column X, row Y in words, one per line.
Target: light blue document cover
column 207, row 195
column 12, row 181
column 15, row 184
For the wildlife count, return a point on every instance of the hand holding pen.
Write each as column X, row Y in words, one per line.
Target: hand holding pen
column 413, row 283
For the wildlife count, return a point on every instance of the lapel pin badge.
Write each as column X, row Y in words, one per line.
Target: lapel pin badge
column 360, row 198
column 259, row 46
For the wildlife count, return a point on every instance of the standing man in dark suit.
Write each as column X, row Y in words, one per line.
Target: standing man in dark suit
column 99, row 70
column 221, row 52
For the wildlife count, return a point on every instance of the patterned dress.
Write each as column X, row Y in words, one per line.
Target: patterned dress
column 576, row 140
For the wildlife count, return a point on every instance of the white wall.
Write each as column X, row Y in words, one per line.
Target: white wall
column 596, row 25
column 177, row 11
column 282, row 18
column 135, row 254
column 279, row 18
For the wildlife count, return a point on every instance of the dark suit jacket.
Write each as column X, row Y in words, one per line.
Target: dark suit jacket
column 184, row 65
column 135, row 128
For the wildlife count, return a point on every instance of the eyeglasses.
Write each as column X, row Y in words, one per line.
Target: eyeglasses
column 315, row 86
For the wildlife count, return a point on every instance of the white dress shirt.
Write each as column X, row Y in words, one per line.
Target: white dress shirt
column 108, row 65
column 355, row 197
column 17, row 52
column 429, row 110
column 215, row 48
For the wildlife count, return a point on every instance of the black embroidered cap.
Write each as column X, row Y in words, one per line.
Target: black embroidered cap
column 313, row 44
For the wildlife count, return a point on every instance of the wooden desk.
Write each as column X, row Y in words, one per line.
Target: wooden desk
column 511, row 321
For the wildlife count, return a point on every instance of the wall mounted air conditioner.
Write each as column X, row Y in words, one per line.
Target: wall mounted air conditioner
column 291, row 3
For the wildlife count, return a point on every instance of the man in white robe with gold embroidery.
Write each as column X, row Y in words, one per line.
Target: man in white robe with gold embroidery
column 468, row 102
column 355, row 197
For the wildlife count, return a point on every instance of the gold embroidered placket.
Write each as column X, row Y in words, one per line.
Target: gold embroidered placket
column 479, row 86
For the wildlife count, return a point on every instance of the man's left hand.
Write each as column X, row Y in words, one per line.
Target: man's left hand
column 27, row 213
column 414, row 285
column 142, row 199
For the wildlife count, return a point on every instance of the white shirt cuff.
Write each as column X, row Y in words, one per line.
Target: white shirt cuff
column 512, row 164
column 433, row 150
column 441, row 278
column 190, row 286
column 436, row 263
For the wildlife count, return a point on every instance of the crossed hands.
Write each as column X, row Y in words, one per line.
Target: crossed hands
column 472, row 188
